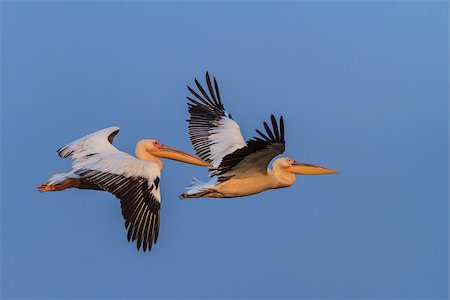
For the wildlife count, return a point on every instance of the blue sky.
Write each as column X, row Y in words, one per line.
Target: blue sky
column 363, row 88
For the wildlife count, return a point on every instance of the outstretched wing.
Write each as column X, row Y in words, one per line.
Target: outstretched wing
column 136, row 184
column 256, row 156
column 87, row 147
column 212, row 131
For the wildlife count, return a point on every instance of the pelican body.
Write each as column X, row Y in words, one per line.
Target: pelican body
column 280, row 176
column 239, row 168
column 135, row 181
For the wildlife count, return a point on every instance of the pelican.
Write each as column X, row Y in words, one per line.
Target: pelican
column 135, row 181
column 239, row 168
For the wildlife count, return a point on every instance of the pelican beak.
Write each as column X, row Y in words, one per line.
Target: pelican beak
column 175, row 154
column 308, row 169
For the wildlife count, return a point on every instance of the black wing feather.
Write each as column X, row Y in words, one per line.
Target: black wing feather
column 211, row 90
column 275, row 127
column 112, row 136
column 63, row 153
column 269, row 132
column 203, row 91
column 256, row 156
column 140, row 208
column 217, row 89
column 262, row 134
column 205, row 111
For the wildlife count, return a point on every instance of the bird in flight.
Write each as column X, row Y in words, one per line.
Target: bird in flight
column 135, row 181
column 239, row 168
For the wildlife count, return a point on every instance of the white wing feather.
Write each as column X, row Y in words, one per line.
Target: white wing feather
column 90, row 145
column 120, row 163
column 224, row 139
column 95, row 152
column 213, row 133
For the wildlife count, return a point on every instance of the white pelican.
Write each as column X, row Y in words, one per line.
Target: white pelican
column 239, row 168
column 98, row 165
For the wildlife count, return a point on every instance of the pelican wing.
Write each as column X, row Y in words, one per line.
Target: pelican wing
column 86, row 148
column 256, row 156
column 212, row 131
column 134, row 182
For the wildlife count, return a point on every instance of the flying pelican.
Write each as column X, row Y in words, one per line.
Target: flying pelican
column 98, row 165
column 239, row 168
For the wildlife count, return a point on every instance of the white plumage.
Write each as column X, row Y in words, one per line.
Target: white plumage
column 134, row 181
column 96, row 152
column 224, row 138
column 198, row 186
column 97, row 164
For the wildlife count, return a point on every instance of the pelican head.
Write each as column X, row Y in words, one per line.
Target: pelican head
column 157, row 149
column 302, row 168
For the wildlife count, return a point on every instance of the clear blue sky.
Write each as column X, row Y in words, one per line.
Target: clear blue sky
column 363, row 87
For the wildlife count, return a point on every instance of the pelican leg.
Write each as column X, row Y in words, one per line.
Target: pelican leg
column 66, row 184
column 202, row 194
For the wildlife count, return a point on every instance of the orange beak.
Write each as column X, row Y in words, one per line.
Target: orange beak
column 308, row 169
column 175, row 154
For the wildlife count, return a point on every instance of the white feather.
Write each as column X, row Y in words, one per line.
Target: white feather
column 225, row 139
column 60, row 177
column 120, row 163
column 90, row 144
column 197, row 186
column 95, row 152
